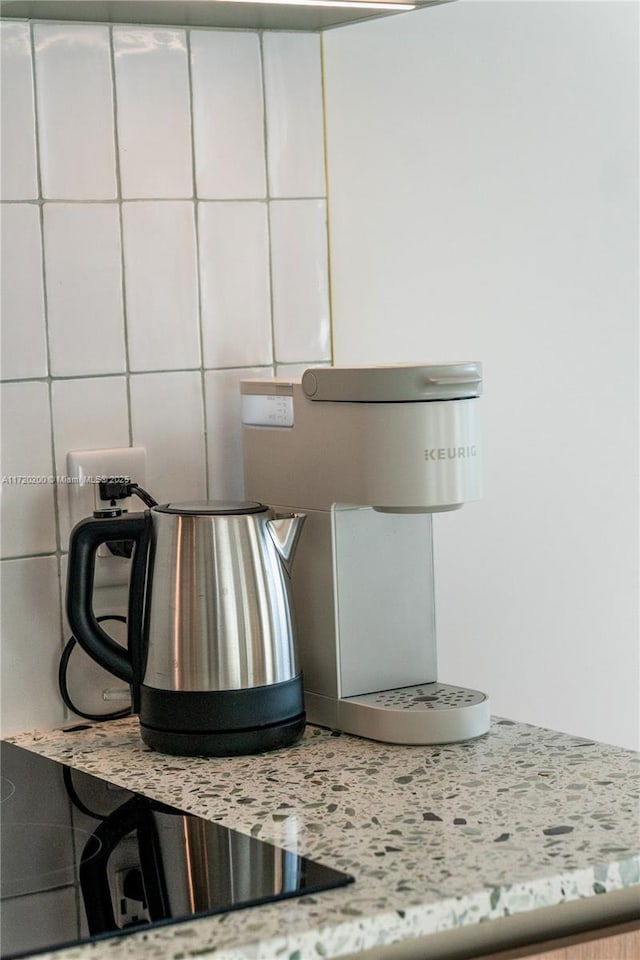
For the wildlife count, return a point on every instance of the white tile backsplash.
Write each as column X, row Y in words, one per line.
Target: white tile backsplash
column 18, row 167
column 27, row 491
column 159, row 246
column 295, row 131
column 161, row 284
column 228, row 114
column 154, row 135
column 167, row 419
column 31, row 645
column 75, row 111
column 84, row 288
column 235, row 288
column 224, row 452
column 23, row 345
column 299, row 277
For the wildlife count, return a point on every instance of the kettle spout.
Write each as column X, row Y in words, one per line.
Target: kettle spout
column 285, row 533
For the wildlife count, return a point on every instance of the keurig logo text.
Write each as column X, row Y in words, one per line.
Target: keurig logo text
column 450, row 453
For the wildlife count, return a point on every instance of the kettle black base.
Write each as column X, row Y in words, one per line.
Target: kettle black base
column 228, row 744
column 222, row 723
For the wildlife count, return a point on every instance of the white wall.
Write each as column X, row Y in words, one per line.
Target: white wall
column 483, row 204
column 163, row 208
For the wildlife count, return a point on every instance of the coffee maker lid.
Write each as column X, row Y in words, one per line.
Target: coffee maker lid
column 394, row 383
column 212, row 508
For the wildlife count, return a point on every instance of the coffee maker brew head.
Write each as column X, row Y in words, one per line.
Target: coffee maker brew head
column 399, row 438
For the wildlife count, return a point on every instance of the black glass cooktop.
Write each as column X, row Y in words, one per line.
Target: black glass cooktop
column 83, row 859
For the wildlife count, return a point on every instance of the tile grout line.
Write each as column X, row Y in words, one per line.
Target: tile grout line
column 71, row 201
column 123, row 284
column 149, row 372
column 45, row 310
column 122, row 373
column 196, row 227
column 325, row 145
column 43, row 274
column 268, row 198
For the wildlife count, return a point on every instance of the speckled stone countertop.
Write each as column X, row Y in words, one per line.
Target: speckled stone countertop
column 438, row 838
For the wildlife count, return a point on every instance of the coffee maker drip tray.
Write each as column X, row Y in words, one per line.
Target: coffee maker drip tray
column 429, row 713
column 84, row 859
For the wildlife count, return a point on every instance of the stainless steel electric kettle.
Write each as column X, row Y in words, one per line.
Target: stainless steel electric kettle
column 210, row 654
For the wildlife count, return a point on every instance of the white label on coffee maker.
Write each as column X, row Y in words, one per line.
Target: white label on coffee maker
column 260, row 410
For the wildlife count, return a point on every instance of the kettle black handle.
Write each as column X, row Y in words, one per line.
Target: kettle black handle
column 85, row 539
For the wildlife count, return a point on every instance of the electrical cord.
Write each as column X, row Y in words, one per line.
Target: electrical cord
column 146, row 498
column 121, row 489
column 62, row 679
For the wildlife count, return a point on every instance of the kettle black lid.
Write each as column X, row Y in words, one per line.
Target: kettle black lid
column 212, row 508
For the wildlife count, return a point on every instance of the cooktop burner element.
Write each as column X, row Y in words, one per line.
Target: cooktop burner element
column 84, row 859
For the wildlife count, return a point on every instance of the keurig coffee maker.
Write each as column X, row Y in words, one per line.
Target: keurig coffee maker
column 369, row 454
